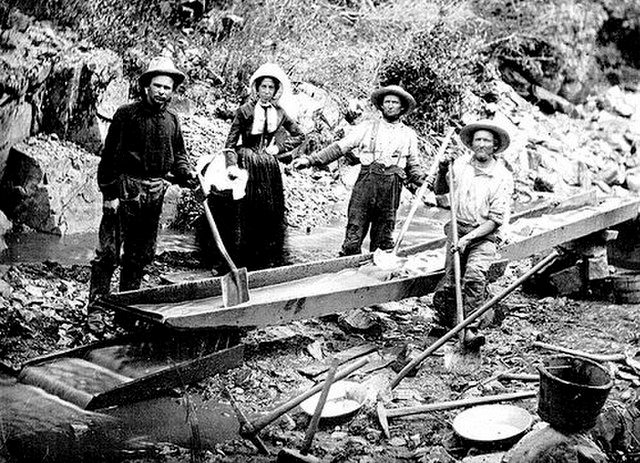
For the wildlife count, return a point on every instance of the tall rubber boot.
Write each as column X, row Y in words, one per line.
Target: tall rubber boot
column 130, row 277
column 99, row 284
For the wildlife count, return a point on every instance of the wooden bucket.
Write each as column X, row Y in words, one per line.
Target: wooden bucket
column 626, row 288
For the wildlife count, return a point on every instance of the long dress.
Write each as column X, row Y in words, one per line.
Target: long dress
column 255, row 226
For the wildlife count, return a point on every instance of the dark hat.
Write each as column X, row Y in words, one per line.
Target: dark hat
column 466, row 134
column 161, row 66
column 378, row 95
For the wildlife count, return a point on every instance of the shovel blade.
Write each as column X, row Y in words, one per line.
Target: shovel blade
column 235, row 287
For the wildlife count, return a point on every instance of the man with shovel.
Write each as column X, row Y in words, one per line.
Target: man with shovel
column 482, row 190
column 143, row 145
column 387, row 150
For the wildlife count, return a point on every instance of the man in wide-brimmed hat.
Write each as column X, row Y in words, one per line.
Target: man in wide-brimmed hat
column 143, row 145
column 483, row 187
column 387, row 150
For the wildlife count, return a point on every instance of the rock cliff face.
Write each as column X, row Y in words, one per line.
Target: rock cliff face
column 50, row 85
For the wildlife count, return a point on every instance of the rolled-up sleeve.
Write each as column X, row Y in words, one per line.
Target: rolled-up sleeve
column 414, row 170
column 355, row 137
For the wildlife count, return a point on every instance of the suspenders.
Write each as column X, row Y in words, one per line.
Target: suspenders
column 374, row 138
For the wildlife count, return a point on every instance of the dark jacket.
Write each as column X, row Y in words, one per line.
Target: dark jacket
column 241, row 128
column 141, row 142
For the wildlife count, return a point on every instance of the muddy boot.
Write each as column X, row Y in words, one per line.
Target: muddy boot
column 99, row 286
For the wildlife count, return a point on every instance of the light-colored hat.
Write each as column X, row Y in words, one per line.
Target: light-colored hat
column 378, row 95
column 161, row 65
column 269, row 70
column 466, row 134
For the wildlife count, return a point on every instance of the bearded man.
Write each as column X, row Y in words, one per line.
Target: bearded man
column 483, row 188
column 143, row 145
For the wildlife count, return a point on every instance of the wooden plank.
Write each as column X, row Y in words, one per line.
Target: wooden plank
column 210, row 287
column 179, row 375
column 573, row 225
column 536, row 209
column 311, row 306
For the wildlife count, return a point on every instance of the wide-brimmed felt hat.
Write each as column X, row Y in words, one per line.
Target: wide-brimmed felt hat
column 503, row 138
column 408, row 101
column 161, row 66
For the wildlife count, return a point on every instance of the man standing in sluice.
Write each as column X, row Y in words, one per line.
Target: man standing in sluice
column 143, row 145
column 387, row 150
column 483, row 188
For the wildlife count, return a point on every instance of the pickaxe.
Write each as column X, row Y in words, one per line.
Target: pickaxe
column 471, row 318
column 250, row 429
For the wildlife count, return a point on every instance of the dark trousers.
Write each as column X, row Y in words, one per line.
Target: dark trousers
column 133, row 229
column 373, row 204
column 474, row 267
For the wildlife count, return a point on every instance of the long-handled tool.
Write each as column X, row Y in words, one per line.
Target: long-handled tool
column 384, row 414
column 251, row 429
column 390, row 260
column 455, row 252
column 235, row 284
column 293, row 456
column 471, row 318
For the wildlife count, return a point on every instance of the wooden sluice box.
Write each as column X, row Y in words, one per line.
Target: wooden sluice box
column 132, row 368
column 310, row 290
column 202, row 338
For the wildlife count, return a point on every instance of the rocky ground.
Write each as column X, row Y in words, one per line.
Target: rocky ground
column 46, row 313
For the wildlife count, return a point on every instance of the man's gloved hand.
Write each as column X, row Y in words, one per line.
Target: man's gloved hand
column 301, row 163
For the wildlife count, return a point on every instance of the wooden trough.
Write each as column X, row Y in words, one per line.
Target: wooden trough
column 311, row 290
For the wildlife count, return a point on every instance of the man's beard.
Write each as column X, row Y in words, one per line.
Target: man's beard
column 391, row 117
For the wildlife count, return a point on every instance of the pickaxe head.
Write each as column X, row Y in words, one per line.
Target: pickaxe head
column 382, row 419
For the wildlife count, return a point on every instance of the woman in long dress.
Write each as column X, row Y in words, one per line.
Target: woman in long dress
column 260, row 134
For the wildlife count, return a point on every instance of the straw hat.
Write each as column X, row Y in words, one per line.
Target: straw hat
column 378, row 95
column 466, row 134
column 161, row 65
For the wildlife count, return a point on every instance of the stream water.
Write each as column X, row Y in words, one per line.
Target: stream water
column 323, row 241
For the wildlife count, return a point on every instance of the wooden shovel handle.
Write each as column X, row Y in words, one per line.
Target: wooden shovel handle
column 455, row 255
column 214, row 228
column 315, row 419
column 417, row 199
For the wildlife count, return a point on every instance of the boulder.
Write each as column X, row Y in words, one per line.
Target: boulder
column 15, row 126
column 51, row 187
column 545, row 444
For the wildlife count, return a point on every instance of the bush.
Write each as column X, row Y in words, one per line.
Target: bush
column 436, row 68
